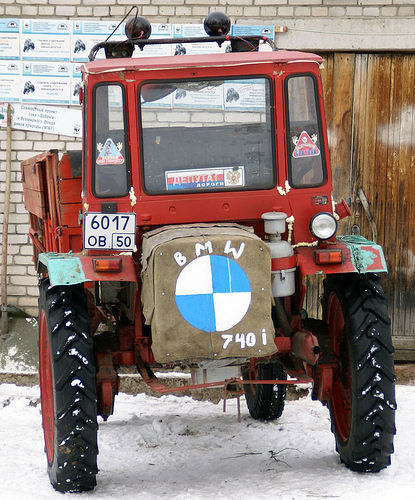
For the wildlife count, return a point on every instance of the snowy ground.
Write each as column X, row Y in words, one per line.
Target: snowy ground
column 177, row 448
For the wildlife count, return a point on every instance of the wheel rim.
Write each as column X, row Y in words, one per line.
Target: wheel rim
column 341, row 396
column 46, row 387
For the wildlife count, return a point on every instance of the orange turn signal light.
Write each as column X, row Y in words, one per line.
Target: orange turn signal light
column 113, row 265
column 328, row 256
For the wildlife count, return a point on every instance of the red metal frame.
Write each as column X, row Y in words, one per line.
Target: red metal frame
column 340, row 398
column 46, row 387
column 107, row 382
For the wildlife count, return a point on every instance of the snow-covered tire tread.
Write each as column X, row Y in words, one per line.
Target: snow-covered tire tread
column 367, row 326
column 74, row 464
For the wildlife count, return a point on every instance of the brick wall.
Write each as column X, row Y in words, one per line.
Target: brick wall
column 315, row 24
column 190, row 11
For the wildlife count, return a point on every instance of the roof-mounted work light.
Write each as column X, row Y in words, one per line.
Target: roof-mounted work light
column 217, row 24
column 138, row 28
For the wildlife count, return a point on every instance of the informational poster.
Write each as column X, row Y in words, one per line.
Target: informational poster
column 161, row 102
column 10, row 80
column 49, row 119
column 46, row 82
column 159, row 31
column 194, row 30
column 9, row 38
column 40, row 63
column 76, row 80
column 190, row 96
column 245, row 30
column 86, row 34
column 45, row 40
column 244, row 95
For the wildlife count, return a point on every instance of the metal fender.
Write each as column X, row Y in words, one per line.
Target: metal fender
column 358, row 255
column 71, row 269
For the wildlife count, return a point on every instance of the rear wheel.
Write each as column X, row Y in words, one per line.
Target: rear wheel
column 67, row 388
column 265, row 402
column 362, row 404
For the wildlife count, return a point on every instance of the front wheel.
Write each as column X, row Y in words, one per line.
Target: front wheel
column 362, row 403
column 67, row 388
column 265, row 401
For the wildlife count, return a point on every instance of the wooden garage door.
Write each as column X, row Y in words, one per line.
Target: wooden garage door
column 370, row 110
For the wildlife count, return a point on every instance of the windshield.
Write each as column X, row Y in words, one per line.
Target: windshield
column 209, row 135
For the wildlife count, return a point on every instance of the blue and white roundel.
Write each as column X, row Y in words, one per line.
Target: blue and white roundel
column 213, row 293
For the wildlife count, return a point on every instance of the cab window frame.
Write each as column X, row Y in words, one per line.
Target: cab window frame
column 288, row 133
column 94, row 141
column 272, row 122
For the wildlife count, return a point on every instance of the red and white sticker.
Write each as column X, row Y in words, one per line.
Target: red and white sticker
column 110, row 154
column 305, row 146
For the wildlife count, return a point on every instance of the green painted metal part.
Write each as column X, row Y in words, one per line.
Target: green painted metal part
column 363, row 258
column 63, row 268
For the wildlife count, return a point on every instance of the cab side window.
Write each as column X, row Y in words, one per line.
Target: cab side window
column 305, row 151
column 111, row 169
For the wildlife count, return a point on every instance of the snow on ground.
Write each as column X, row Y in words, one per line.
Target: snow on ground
column 177, row 448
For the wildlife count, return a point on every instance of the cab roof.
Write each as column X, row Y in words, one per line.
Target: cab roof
column 197, row 61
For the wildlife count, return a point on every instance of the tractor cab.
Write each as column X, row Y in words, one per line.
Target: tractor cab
column 208, row 138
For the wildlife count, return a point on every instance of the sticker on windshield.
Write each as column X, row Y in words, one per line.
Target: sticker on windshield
column 109, row 153
column 305, row 145
column 205, row 179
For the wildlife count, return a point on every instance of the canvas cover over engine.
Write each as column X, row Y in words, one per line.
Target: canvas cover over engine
column 207, row 292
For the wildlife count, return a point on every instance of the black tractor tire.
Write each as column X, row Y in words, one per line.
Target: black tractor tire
column 67, row 384
column 362, row 403
column 266, row 401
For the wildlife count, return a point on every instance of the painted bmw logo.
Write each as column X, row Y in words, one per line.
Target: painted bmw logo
column 213, row 293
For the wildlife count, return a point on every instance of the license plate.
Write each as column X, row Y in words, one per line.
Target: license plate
column 109, row 231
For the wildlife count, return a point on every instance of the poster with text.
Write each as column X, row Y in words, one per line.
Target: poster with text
column 244, row 95
column 158, row 31
column 244, row 30
column 191, row 31
column 10, row 81
column 46, row 82
column 76, row 80
column 164, row 101
column 198, row 95
column 48, row 119
column 45, row 40
column 9, row 38
column 86, row 34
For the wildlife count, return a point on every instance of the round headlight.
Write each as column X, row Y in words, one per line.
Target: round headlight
column 323, row 226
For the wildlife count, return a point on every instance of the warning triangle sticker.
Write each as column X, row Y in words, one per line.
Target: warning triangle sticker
column 305, row 146
column 110, row 154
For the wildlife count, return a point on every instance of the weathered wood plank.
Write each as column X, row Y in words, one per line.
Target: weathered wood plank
column 370, row 113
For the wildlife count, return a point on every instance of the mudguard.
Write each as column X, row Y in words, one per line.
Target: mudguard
column 72, row 269
column 359, row 255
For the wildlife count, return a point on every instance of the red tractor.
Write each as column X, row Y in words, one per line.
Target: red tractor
column 182, row 234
